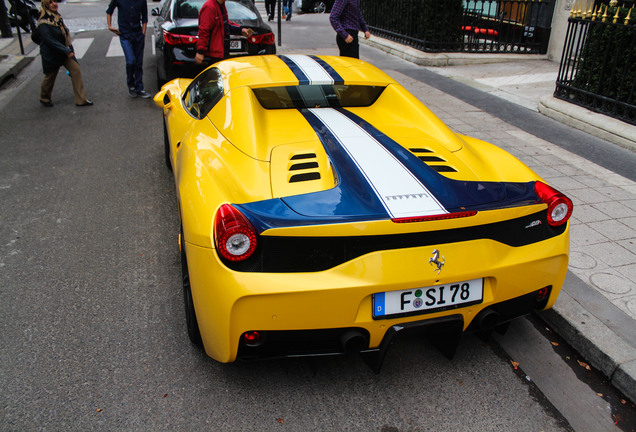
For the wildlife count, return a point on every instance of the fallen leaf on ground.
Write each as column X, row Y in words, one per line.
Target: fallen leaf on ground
column 514, row 364
column 585, row 365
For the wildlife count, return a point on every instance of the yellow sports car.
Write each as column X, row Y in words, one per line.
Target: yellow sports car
column 324, row 209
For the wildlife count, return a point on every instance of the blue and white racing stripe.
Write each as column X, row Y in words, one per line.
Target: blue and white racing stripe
column 400, row 192
column 311, row 70
column 377, row 178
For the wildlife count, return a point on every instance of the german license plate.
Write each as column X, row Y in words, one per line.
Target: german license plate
column 235, row 44
column 437, row 298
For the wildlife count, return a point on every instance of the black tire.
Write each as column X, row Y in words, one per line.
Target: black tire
column 161, row 74
column 192, row 324
column 166, row 146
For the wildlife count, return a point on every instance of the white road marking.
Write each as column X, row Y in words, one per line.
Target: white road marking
column 81, row 45
column 114, row 49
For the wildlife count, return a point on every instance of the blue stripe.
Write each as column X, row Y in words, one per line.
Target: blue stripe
column 300, row 75
column 337, row 79
column 353, row 199
column 454, row 195
column 353, row 196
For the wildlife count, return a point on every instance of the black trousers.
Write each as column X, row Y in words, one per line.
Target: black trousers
column 270, row 7
column 349, row 49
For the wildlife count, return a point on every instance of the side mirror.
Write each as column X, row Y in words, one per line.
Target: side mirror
column 163, row 99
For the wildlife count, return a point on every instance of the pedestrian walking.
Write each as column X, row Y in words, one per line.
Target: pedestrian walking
column 214, row 32
column 132, row 20
column 270, row 7
column 287, row 7
column 346, row 19
column 56, row 50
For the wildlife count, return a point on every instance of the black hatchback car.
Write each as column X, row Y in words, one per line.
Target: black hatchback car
column 176, row 27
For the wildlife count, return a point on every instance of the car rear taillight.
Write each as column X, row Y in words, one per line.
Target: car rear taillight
column 179, row 39
column 266, row 39
column 234, row 235
column 559, row 206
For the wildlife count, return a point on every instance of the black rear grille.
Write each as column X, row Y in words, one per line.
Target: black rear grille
column 436, row 162
column 309, row 165
column 309, row 254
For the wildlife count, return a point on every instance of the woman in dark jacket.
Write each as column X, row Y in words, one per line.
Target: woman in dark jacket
column 56, row 50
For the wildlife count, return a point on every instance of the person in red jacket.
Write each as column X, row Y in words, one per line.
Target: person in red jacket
column 214, row 32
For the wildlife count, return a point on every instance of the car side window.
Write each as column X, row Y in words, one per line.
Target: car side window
column 188, row 8
column 165, row 10
column 203, row 93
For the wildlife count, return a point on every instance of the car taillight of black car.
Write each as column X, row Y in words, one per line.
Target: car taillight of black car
column 179, row 39
column 262, row 39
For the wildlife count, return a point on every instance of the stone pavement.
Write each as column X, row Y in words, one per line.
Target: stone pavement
column 596, row 311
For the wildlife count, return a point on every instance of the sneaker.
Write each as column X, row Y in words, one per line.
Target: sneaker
column 132, row 93
column 144, row 94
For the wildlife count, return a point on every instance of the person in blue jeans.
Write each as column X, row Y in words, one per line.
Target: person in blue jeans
column 132, row 19
column 287, row 7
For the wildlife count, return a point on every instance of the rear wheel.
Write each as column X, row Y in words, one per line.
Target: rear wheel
column 319, row 6
column 162, row 72
column 191, row 317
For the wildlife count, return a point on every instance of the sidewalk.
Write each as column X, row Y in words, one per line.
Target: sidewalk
column 596, row 311
column 12, row 61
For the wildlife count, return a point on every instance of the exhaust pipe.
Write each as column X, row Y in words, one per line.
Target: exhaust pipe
column 488, row 320
column 353, row 341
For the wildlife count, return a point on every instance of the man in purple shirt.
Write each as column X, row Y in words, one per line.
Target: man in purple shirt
column 346, row 19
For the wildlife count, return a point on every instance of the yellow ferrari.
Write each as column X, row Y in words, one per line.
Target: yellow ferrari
column 324, row 209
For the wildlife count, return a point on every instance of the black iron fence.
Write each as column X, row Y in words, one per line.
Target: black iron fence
column 479, row 26
column 597, row 65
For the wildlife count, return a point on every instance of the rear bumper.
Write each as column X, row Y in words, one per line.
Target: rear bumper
column 179, row 62
column 308, row 313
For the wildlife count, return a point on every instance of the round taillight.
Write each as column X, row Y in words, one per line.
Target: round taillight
column 234, row 235
column 559, row 206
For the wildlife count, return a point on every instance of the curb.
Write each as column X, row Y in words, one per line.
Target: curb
column 421, row 58
column 12, row 64
column 584, row 327
column 601, row 126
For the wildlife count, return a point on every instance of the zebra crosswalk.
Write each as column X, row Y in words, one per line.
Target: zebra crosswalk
column 83, row 44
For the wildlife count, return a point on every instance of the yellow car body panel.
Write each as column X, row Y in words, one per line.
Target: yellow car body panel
column 341, row 297
column 289, row 172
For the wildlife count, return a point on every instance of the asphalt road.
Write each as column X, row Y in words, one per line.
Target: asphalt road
column 91, row 312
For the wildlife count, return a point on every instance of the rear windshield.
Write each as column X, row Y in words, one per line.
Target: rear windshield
column 235, row 10
column 317, row 96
